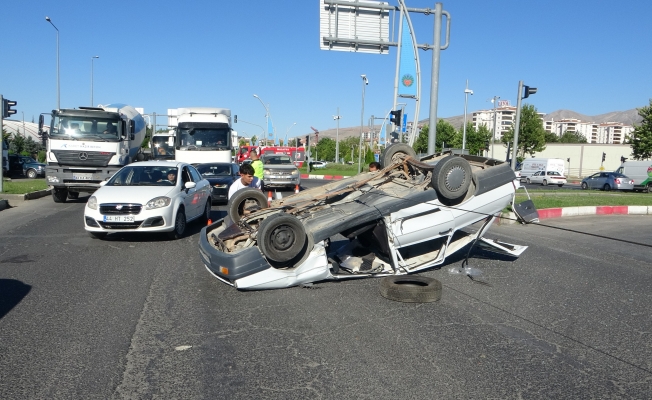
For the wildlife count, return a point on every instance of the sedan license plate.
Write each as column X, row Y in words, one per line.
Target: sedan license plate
column 119, row 218
column 82, row 177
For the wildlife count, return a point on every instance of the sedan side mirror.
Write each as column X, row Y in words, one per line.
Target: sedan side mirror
column 190, row 185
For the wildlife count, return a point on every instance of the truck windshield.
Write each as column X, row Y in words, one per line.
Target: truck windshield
column 161, row 147
column 85, row 128
column 203, row 139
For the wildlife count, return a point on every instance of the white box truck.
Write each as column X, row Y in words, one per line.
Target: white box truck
column 202, row 134
column 531, row 165
column 640, row 172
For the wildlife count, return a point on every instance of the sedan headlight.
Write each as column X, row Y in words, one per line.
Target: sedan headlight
column 158, row 202
column 220, row 186
column 92, row 203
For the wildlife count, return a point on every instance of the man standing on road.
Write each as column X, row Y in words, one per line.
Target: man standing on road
column 247, row 179
column 257, row 164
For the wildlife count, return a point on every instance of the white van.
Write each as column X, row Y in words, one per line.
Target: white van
column 640, row 172
column 531, row 165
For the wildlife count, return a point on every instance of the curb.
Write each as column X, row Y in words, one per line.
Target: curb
column 23, row 197
column 325, row 177
column 547, row 213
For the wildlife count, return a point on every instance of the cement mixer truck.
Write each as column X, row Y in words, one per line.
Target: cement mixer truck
column 87, row 145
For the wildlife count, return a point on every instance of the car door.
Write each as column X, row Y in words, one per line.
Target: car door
column 591, row 182
column 536, row 177
column 191, row 197
column 203, row 188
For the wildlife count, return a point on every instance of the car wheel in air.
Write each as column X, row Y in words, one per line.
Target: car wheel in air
column 527, row 180
column 281, row 237
column 451, row 177
column 396, row 152
column 410, row 289
column 73, row 195
column 606, row 187
column 31, row 174
column 179, row 225
column 584, row 186
column 544, row 183
column 59, row 195
column 97, row 235
column 245, row 200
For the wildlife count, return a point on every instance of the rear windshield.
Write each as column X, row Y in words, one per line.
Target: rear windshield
column 553, row 173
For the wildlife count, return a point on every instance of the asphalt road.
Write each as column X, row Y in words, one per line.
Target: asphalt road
column 136, row 316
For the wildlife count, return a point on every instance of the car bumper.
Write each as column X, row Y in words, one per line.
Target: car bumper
column 624, row 186
column 285, row 181
column 157, row 220
column 219, row 194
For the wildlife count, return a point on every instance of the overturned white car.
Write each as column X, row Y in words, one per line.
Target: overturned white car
column 406, row 218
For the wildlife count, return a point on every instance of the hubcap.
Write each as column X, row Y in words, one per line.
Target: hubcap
column 455, row 178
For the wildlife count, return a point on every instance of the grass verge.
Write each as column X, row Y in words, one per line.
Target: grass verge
column 22, row 187
column 576, row 198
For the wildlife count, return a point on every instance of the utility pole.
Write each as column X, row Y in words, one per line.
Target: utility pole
column 493, row 138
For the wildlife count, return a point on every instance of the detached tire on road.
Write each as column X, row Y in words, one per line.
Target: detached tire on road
column 242, row 199
column 452, row 177
column 281, row 237
column 410, row 289
column 395, row 153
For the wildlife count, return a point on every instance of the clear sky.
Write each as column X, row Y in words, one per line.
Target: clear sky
column 591, row 57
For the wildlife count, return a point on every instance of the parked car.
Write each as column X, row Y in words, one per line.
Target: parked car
column 149, row 196
column 318, row 164
column 407, row 218
column 25, row 165
column 279, row 171
column 547, row 178
column 608, row 181
column 220, row 176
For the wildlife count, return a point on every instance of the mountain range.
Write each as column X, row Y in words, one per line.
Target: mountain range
column 629, row 117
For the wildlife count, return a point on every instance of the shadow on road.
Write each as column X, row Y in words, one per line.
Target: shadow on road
column 12, row 292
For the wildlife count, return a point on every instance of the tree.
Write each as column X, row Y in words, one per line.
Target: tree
column 31, row 147
column 326, row 149
column 572, row 137
column 476, row 138
column 254, row 139
column 531, row 136
column 551, row 137
column 17, row 144
column 641, row 139
column 446, row 136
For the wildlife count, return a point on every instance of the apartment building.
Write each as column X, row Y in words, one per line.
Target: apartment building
column 505, row 117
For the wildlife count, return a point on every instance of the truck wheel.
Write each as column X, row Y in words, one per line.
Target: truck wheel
column 59, row 195
column 73, row 195
column 281, row 237
column 31, row 174
column 395, row 153
column 451, row 177
column 179, row 225
column 410, row 289
column 245, row 200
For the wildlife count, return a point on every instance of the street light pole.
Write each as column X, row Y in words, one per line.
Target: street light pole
column 58, row 81
column 337, row 136
column 467, row 91
column 266, row 116
column 493, row 138
column 92, row 58
column 287, row 132
column 365, row 82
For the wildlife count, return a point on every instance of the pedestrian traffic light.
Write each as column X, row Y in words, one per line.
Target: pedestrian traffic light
column 6, row 108
column 396, row 117
column 529, row 91
column 604, row 156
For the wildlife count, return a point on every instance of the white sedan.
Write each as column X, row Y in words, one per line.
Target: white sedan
column 149, row 196
column 547, row 178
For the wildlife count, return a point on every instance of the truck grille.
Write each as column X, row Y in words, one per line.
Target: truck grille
column 84, row 158
column 117, row 208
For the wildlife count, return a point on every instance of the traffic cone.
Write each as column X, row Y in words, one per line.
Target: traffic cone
column 296, row 189
column 269, row 198
column 210, row 221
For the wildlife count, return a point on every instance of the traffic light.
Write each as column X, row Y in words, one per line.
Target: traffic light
column 622, row 159
column 396, row 117
column 307, row 140
column 529, row 91
column 6, row 108
column 604, row 156
column 235, row 119
column 394, row 136
column 486, row 145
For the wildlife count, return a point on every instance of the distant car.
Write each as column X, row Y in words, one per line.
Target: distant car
column 279, row 171
column 246, row 161
column 318, row 164
column 26, row 166
column 141, row 198
column 547, row 178
column 608, row 181
column 220, row 176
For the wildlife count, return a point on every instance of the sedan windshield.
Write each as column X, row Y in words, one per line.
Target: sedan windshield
column 144, row 176
column 277, row 160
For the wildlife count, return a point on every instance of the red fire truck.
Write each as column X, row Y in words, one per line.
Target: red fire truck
column 296, row 154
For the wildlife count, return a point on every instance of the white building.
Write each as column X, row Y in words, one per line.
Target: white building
column 505, row 118
column 599, row 133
